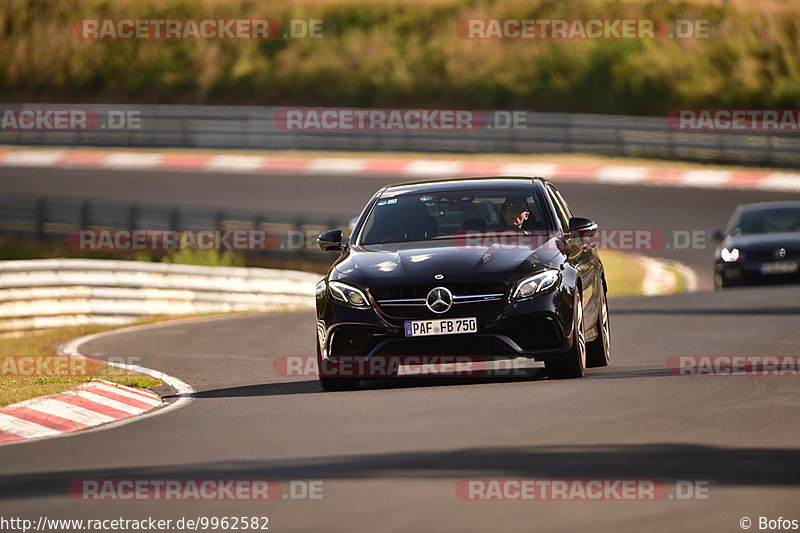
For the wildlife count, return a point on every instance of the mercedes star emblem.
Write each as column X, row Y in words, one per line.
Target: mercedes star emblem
column 439, row 300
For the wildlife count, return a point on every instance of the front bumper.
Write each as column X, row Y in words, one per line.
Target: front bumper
column 750, row 273
column 537, row 328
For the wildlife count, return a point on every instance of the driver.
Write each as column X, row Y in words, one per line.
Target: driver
column 514, row 212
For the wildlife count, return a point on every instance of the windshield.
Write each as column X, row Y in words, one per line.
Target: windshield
column 422, row 217
column 775, row 220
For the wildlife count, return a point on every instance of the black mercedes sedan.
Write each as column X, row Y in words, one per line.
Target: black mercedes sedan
column 494, row 267
column 761, row 244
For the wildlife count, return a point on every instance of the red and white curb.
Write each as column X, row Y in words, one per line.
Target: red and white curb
column 661, row 277
column 53, row 407
column 91, row 404
column 407, row 168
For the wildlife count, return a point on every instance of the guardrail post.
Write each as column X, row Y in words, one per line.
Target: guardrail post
column 133, row 217
column 185, row 135
column 298, row 224
column 570, row 137
column 772, row 154
column 671, row 150
column 257, row 221
column 174, row 219
column 41, row 217
column 85, row 214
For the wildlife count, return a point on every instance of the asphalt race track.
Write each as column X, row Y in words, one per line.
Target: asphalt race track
column 391, row 454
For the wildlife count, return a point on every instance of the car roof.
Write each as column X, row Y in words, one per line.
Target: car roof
column 767, row 205
column 460, row 184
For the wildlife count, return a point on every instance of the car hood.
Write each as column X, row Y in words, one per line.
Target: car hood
column 420, row 261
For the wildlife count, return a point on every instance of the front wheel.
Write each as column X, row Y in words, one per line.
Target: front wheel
column 598, row 352
column 573, row 363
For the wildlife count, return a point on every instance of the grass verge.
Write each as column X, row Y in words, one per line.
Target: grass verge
column 16, row 387
column 624, row 273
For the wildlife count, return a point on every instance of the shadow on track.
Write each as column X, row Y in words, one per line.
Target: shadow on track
column 667, row 461
column 312, row 386
column 745, row 311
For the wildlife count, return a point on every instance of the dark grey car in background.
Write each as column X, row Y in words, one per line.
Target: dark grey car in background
column 761, row 244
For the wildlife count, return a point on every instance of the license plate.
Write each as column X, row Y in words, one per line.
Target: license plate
column 441, row 326
column 780, row 267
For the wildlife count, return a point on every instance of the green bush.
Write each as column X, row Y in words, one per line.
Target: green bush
column 216, row 258
column 407, row 54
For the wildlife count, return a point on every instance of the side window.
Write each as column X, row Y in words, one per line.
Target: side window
column 561, row 210
column 563, row 203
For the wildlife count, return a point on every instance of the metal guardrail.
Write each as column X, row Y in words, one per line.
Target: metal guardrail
column 50, row 293
column 51, row 218
column 249, row 127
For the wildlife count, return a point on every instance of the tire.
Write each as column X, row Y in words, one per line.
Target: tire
column 598, row 352
column 573, row 363
column 719, row 282
column 334, row 383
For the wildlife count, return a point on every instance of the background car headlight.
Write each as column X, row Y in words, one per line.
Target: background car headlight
column 348, row 295
column 536, row 284
column 729, row 256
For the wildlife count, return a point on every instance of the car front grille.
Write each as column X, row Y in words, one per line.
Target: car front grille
column 469, row 299
column 772, row 254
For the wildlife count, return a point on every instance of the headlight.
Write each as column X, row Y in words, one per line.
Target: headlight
column 732, row 255
column 348, row 295
column 536, row 284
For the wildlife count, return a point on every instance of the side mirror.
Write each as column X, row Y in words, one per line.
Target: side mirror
column 584, row 227
column 330, row 241
column 717, row 235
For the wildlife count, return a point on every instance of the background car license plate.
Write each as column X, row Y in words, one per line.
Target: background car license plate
column 441, row 326
column 780, row 267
